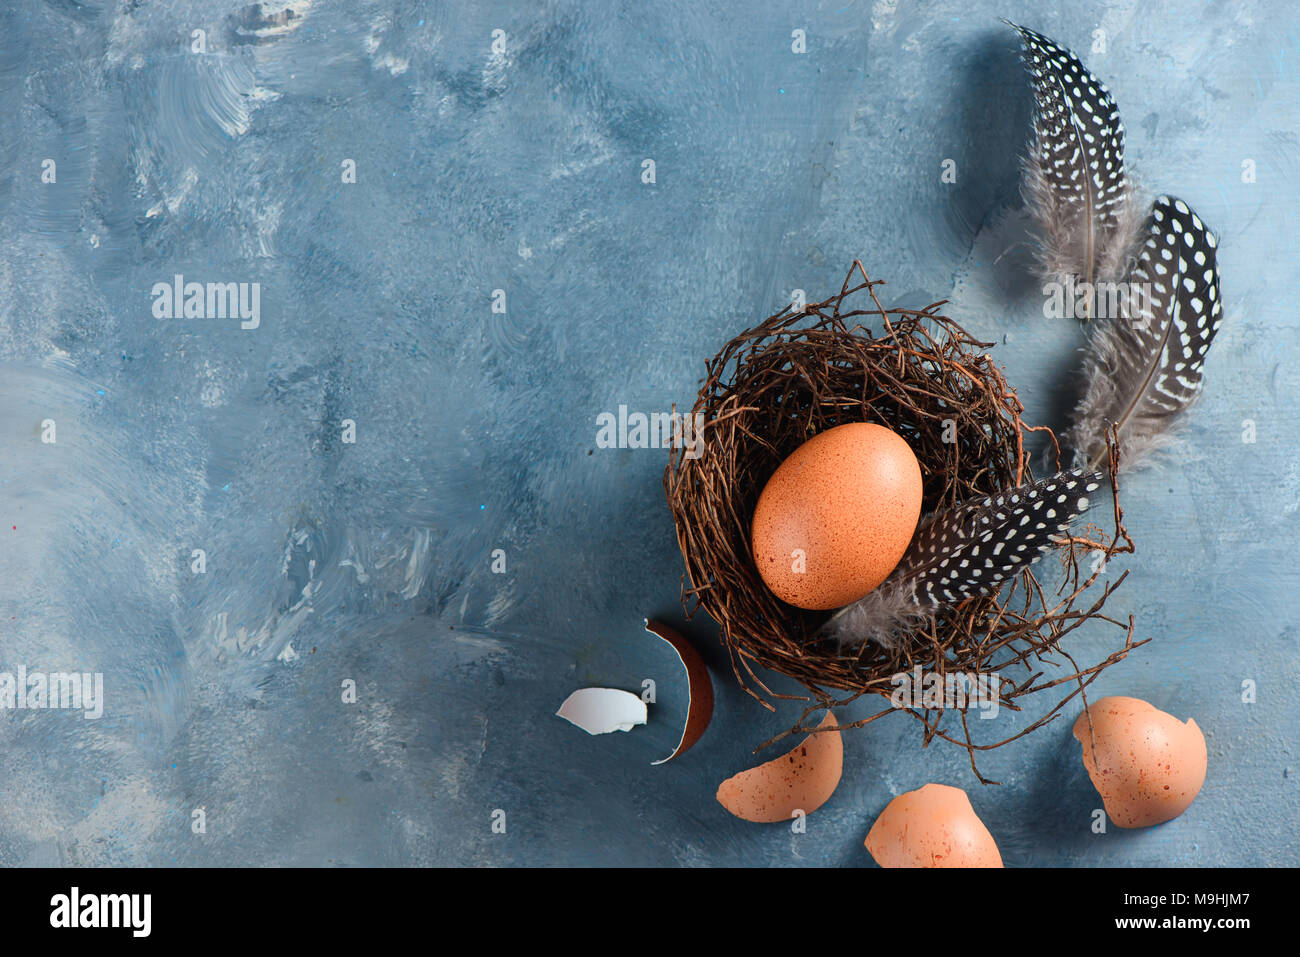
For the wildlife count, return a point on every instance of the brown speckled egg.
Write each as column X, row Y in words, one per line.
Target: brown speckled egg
column 933, row 826
column 837, row 515
column 799, row 781
column 1147, row 765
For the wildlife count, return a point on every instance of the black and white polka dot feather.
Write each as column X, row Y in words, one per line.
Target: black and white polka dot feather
column 1075, row 183
column 973, row 549
column 1145, row 367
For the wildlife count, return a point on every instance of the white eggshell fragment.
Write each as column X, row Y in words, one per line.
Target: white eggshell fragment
column 602, row 710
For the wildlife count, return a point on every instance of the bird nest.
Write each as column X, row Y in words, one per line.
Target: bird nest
column 806, row 370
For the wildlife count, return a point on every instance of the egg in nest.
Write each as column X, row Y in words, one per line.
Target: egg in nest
column 836, row 516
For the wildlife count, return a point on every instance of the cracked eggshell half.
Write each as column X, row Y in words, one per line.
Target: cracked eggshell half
column 699, row 710
column 1147, row 765
column 933, row 826
column 801, row 780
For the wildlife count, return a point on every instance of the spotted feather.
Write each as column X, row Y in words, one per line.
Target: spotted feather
column 970, row 550
column 1075, row 183
column 1145, row 367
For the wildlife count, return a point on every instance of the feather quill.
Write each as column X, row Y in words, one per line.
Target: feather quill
column 1145, row 367
column 961, row 552
column 1075, row 184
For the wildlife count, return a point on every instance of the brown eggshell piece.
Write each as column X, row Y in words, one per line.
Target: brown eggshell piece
column 801, row 780
column 1147, row 765
column 699, row 711
column 847, row 501
column 933, row 826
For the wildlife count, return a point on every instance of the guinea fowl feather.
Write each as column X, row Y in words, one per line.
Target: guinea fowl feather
column 957, row 553
column 1144, row 367
column 1075, row 184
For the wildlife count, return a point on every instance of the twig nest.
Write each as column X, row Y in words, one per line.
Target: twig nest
column 918, row 373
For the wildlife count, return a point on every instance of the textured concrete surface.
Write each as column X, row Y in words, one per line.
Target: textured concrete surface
column 521, row 170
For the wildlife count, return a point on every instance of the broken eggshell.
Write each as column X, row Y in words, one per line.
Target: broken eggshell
column 933, row 826
column 801, row 780
column 602, row 710
column 699, row 709
column 1147, row 765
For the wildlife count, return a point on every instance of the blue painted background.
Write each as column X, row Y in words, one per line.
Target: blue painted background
column 521, row 171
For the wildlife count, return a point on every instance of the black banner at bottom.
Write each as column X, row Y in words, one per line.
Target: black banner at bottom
column 336, row 907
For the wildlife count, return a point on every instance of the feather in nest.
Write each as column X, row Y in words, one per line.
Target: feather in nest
column 1144, row 368
column 969, row 550
column 1075, row 184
